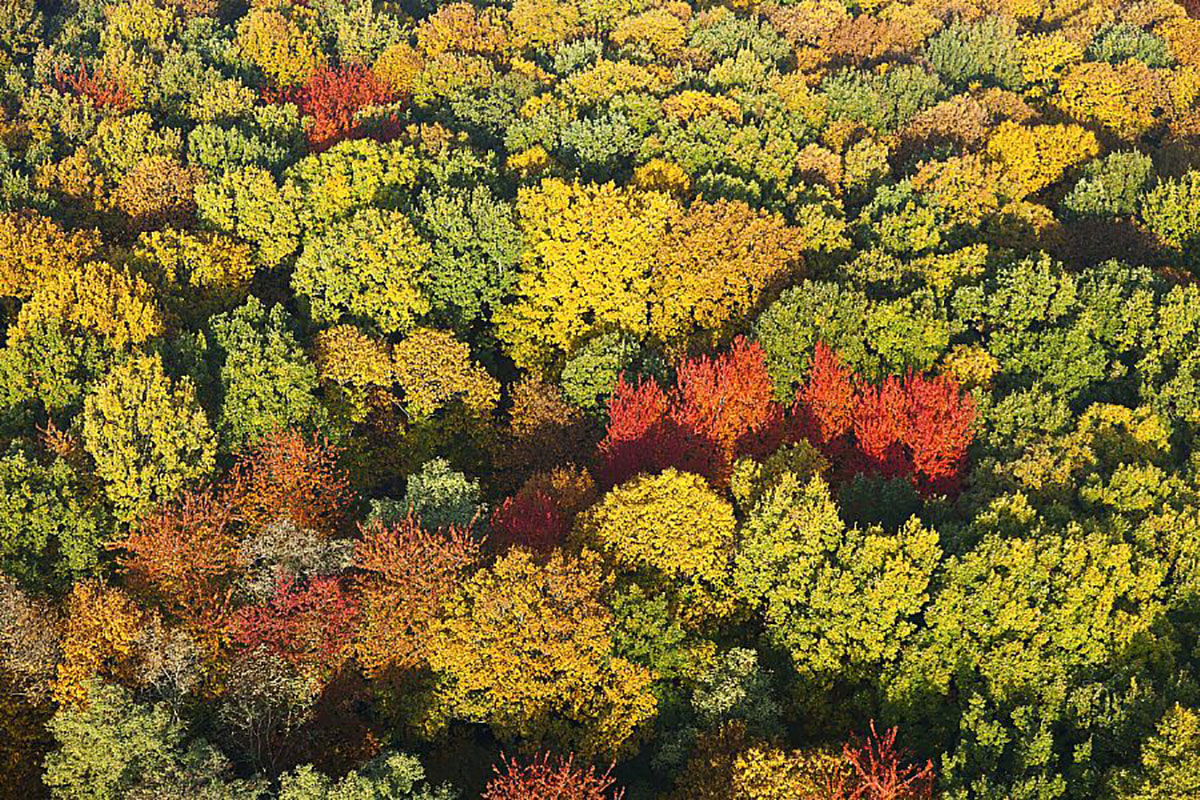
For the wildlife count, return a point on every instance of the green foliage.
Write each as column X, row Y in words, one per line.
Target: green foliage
column 842, row 602
column 1123, row 41
column 267, row 382
column 115, row 747
column 1111, row 186
column 984, row 51
column 368, row 268
column 51, row 529
column 247, row 202
column 391, row 776
column 437, row 495
column 884, row 102
column 875, row 338
column 1171, row 211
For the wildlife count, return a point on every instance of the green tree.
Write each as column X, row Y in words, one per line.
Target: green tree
column 115, row 748
column 391, row 776
column 51, row 528
column 369, row 268
column 267, row 382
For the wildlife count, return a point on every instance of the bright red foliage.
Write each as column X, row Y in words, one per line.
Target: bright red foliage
column 826, row 402
column 185, row 557
column 288, row 477
column 880, row 772
column 720, row 408
column 920, row 427
column 104, row 90
column 530, row 519
column 308, row 625
column 543, row 779
column 333, row 97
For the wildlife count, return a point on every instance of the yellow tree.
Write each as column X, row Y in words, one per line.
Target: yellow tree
column 587, row 265
column 526, row 647
column 1032, row 158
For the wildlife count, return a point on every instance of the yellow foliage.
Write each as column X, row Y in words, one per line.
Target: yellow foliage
column 1030, row 159
column 752, row 478
column 202, row 260
column 98, row 297
column 525, row 647
column 966, row 187
column 460, row 27
column 276, row 36
column 691, row 104
column 347, row 356
column 1183, row 36
column 587, row 264
column 971, row 365
column 572, row 488
column 104, row 626
column 33, row 248
column 713, row 266
column 661, row 31
column 398, row 67
column 1046, row 58
column 1125, row 98
column 606, row 79
column 658, row 175
column 530, row 162
column 543, row 23
column 433, row 368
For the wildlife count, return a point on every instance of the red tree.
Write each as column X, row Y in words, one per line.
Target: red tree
column 720, row 408
column 881, row 772
column 288, row 477
column 919, row 428
column 532, row 519
column 308, row 625
column 881, row 427
column 640, row 436
column 940, row 427
column 333, row 98
column 104, row 90
column 726, row 406
column 185, row 557
column 543, row 779
column 825, row 405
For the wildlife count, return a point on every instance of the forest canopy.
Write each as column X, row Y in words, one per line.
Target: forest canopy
column 598, row 399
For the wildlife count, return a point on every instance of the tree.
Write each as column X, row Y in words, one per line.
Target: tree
column 147, row 434
column 100, row 639
column 524, row 647
column 841, row 601
column 277, row 37
column 409, row 574
column 248, row 203
column 367, row 268
column 184, row 555
column 97, row 297
column 287, row 476
column 391, row 776
column 433, row 368
column 333, row 97
column 1030, row 159
column 51, row 526
column 1170, row 212
column 1169, row 766
column 586, row 265
column 529, row 519
column 308, row 625
column 544, row 778
column 675, row 527
column 267, row 382
column 115, row 747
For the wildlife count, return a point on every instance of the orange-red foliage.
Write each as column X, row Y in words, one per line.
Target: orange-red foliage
column 333, row 97
column 881, row 773
column 407, row 574
column 308, row 625
column 288, row 477
column 918, row 427
column 184, row 555
column 544, row 779
column 104, row 90
column 720, row 408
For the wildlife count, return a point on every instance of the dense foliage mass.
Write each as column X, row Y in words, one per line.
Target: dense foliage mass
column 596, row 399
